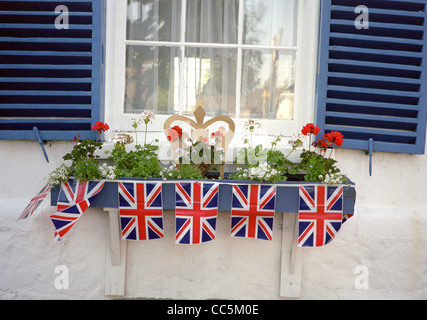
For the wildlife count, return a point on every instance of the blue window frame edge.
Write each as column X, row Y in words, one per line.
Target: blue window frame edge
column 321, row 94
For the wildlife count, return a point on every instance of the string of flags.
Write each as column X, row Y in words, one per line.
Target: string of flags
column 320, row 215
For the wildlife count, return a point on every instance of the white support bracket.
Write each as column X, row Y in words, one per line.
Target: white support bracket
column 291, row 268
column 115, row 263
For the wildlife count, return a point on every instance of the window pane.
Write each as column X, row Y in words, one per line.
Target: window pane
column 270, row 22
column 150, row 78
column 210, row 81
column 212, row 21
column 154, row 20
column 268, row 81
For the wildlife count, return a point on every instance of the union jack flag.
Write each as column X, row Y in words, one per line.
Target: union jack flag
column 73, row 200
column 35, row 202
column 141, row 214
column 320, row 214
column 252, row 212
column 196, row 210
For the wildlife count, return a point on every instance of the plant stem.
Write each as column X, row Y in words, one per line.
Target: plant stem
column 146, row 129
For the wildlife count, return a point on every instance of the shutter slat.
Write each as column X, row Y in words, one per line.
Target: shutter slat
column 49, row 78
column 372, row 82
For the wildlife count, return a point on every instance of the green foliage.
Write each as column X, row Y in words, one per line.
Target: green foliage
column 87, row 170
column 141, row 162
column 316, row 166
column 264, row 173
column 84, row 149
column 185, row 171
column 84, row 164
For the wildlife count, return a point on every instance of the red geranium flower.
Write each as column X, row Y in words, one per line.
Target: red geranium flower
column 100, row 127
column 322, row 144
column 310, row 129
column 174, row 133
column 334, row 137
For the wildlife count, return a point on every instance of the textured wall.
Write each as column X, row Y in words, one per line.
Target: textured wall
column 387, row 236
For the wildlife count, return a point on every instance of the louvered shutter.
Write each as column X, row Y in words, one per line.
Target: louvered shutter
column 372, row 82
column 49, row 78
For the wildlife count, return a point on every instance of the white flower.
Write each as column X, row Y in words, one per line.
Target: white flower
column 146, row 117
column 252, row 124
column 109, row 172
column 59, row 175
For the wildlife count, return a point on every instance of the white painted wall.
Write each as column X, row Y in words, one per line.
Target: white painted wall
column 388, row 235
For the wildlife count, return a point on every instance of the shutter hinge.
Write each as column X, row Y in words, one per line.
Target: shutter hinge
column 39, row 139
column 370, row 152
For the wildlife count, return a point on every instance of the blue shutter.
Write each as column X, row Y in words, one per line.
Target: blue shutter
column 372, row 82
column 49, row 78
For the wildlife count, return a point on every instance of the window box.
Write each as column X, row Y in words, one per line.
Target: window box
column 287, row 195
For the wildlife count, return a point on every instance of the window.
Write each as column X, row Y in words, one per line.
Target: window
column 240, row 58
column 220, row 50
column 50, row 78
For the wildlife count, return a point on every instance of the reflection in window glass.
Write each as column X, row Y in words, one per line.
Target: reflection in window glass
column 268, row 83
column 210, row 80
column 270, row 22
column 150, row 20
column 150, row 78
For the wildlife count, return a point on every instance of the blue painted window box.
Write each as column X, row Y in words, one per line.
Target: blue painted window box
column 286, row 200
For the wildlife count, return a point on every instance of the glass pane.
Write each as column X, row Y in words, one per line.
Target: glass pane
column 270, row 22
column 154, row 20
column 150, row 78
column 212, row 21
column 268, row 83
column 210, row 81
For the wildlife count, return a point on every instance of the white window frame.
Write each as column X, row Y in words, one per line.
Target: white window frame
column 305, row 81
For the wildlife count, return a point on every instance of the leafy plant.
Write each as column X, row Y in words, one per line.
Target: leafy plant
column 141, row 162
column 264, row 173
column 87, row 170
column 183, row 171
column 316, row 166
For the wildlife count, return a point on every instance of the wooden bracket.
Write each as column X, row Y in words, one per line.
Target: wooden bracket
column 115, row 263
column 291, row 268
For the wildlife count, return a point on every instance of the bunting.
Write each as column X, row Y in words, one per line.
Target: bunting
column 320, row 214
column 252, row 214
column 141, row 214
column 196, row 210
column 73, row 200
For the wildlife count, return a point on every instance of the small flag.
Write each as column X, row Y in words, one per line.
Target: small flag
column 320, row 214
column 141, row 214
column 252, row 212
column 35, row 203
column 74, row 199
column 196, row 211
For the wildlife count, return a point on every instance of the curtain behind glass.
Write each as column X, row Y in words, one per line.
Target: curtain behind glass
column 154, row 79
column 215, row 89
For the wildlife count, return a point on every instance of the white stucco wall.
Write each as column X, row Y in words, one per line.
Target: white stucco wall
column 388, row 235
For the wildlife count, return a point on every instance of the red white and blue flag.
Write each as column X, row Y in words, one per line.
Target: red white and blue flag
column 320, row 214
column 196, row 211
column 73, row 200
column 252, row 212
column 141, row 214
column 35, row 203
